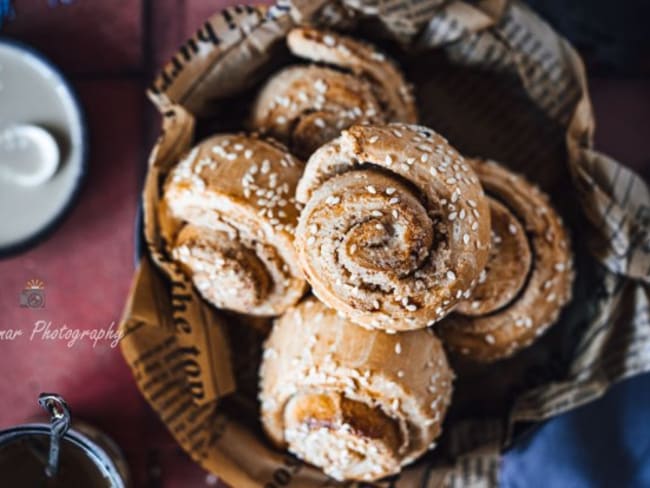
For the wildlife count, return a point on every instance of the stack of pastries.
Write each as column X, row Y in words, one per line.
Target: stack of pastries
column 382, row 253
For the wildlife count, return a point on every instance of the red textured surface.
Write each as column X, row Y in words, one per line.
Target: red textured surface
column 85, row 37
column 106, row 48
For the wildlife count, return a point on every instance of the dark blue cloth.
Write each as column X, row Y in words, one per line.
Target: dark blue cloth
column 603, row 444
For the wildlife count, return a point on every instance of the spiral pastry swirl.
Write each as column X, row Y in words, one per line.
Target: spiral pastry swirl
column 359, row 404
column 528, row 277
column 396, row 228
column 228, row 215
column 306, row 106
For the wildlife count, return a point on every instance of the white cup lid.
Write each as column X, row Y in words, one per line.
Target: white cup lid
column 42, row 147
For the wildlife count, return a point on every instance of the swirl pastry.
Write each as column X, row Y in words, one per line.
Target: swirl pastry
column 528, row 277
column 228, row 215
column 396, row 228
column 358, row 403
column 306, row 106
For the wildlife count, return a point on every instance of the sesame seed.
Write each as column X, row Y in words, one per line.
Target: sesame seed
column 398, row 348
column 551, row 297
column 390, row 190
column 394, row 213
column 353, row 248
column 482, row 277
column 424, row 158
column 388, row 160
column 376, row 213
column 284, row 101
column 373, row 139
column 393, row 201
column 466, row 238
column 489, row 338
column 512, row 229
column 397, row 133
column 333, row 200
column 451, row 181
column 319, row 123
column 379, row 227
column 461, row 215
column 400, row 374
column 560, row 267
column 471, row 203
column 452, row 216
column 329, row 40
column 451, row 275
column 320, row 86
column 371, row 189
column 281, row 119
column 474, row 225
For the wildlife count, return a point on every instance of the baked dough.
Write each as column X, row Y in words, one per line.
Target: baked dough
column 306, row 106
column 228, row 213
column 359, row 404
column 396, row 227
column 527, row 280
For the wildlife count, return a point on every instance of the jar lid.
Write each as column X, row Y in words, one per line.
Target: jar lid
column 43, row 147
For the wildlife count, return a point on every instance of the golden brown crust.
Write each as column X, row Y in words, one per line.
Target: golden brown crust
column 358, row 403
column 229, row 217
column 528, row 313
column 507, row 267
column 396, row 228
column 363, row 60
column 307, row 106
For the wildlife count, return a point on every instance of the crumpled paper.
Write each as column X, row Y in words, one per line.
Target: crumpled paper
column 498, row 83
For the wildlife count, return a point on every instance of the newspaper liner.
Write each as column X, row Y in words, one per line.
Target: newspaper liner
column 498, row 83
